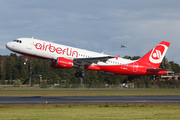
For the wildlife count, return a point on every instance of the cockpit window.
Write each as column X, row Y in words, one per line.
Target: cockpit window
column 18, row 41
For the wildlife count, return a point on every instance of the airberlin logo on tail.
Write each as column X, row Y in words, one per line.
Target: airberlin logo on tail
column 158, row 53
column 67, row 51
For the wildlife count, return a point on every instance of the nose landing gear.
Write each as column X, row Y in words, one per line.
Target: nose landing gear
column 26, row 59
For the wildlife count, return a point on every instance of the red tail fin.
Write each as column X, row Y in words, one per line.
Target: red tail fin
column 154, row 57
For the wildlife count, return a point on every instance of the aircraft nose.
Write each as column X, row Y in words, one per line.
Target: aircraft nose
column 9, row 45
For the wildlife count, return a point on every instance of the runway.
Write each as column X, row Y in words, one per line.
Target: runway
column 93, row 99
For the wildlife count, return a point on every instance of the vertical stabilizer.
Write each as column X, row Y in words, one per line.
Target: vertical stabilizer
column 154, row 57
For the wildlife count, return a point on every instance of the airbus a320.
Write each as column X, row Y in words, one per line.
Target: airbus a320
column 62, row 56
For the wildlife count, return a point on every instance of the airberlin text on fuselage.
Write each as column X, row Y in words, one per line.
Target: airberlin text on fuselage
column 58, row 50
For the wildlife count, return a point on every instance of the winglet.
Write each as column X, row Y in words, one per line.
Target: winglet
column 116, row 57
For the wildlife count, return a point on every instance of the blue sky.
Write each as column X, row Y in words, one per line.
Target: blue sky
column 97, row 25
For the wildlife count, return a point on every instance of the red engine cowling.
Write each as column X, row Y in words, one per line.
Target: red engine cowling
column 62, row 63
column 53, row 64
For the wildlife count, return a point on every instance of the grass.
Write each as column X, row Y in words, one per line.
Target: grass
column 47, row 92
column 90, row 111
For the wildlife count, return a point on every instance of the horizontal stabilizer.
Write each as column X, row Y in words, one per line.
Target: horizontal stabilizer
column 157, row 70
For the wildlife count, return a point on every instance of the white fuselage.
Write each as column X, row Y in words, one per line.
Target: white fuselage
column 48, row 50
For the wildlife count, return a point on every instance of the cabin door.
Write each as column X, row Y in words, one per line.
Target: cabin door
column 29, row 44
column 135, row 67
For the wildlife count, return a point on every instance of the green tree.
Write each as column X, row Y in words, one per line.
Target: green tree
column 175, row 67
column 165, row 64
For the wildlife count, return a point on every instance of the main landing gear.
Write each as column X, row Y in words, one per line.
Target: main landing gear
column 80, row 74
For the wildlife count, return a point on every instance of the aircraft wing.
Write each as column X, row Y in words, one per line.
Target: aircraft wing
column 89, row 61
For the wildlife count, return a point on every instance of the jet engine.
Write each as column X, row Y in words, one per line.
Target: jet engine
column 62, row 63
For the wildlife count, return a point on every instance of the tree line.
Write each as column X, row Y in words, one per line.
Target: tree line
column 12, row 68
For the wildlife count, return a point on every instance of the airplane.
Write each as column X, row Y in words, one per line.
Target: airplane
column 123, row 46
column 62, row 56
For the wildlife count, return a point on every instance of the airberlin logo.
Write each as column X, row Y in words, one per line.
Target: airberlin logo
column 67, row 51
column 158, row 53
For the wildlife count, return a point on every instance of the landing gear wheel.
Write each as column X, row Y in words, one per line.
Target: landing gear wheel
column 80, row 74
column 77, row 74
column 26, row 59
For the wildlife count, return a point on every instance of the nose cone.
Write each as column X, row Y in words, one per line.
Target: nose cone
column 9, row 45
